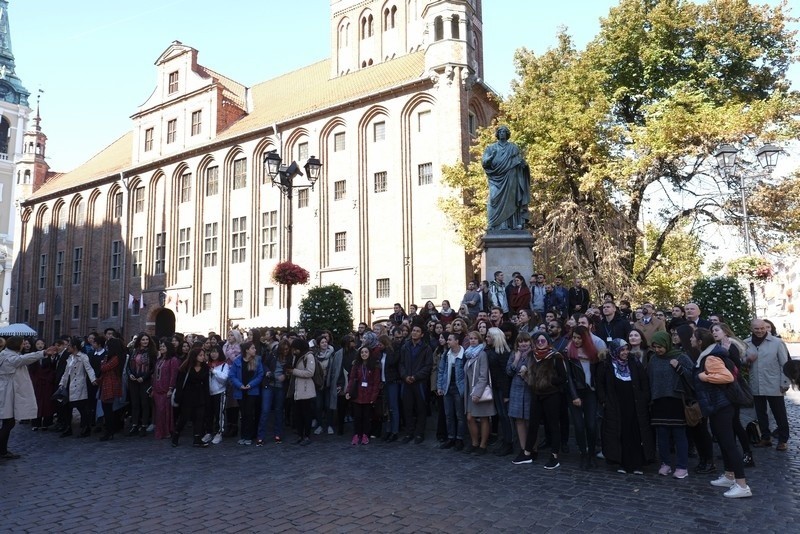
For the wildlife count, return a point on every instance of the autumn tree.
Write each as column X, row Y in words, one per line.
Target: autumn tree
column 633, row 119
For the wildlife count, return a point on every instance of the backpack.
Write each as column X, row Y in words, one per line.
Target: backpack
column 319, row 374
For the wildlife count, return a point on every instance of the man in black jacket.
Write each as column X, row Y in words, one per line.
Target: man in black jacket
column 416, row 361
column 612, row 325
column 578, row 298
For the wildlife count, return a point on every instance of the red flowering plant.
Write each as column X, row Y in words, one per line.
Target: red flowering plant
column 752, row 268
column 290, row 274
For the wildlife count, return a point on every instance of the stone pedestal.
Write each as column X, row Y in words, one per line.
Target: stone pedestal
column 507, row 251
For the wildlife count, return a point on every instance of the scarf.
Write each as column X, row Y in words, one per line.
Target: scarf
column 471, row 352
column 541, row 354
column 757, row 340
column 621, row 369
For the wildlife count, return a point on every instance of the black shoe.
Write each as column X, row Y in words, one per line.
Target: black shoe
column 407, row 439
column 747, row 460
column 692, row 452
column 66, row 433
column 704, row 468
column 134, row 431
column 522, row 458
column 552, row 463
column 449, row 444
column 392, row 437
column 469, row 447
column 459, row 445
column 106, row 437
column 564, row 449
column 142, row 431
column 584, row 465
column 85, row 433
column 479, row 451
column 174, row 438
column 419, row 439
column 386, row 436
column 8, row 455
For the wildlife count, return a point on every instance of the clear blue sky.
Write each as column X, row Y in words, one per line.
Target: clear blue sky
column 94, row 58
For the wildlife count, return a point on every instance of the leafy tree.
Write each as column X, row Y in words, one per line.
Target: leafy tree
column 634, row 117
column 724, row 295
column 676, row 269
column 326, row 308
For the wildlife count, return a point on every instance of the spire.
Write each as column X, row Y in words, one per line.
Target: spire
column 12, row 90
column 38, row 119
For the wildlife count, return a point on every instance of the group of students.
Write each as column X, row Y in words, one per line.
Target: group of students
column 625, row 397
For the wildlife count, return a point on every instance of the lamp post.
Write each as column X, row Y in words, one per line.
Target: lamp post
column 283, row 177
column 726, row 156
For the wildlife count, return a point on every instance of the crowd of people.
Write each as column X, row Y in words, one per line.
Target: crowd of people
column 627, row 382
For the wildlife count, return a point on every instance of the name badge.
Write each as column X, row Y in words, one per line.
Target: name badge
column 609, row 339
column 363, row 384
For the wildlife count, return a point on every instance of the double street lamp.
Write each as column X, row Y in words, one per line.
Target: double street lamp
column 283, row 177
column 726, row 156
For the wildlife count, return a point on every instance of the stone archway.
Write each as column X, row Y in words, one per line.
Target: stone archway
column 164, row 323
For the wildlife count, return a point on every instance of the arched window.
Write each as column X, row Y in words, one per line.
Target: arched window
column 27, row 179
column 386, row 17
column 394, row 16
column 371, row 26
column 4, row 127
column 438, row 29
column 363, row 27
column 454, row 29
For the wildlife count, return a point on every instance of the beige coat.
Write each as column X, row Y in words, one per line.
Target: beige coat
column 17, row 398
column 78, row 366
column 303, row 377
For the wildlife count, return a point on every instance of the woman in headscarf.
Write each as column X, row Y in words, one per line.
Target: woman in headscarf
column 624, row 393
column 667, row 389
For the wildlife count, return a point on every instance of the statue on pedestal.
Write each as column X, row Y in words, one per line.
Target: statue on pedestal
column 509, row 184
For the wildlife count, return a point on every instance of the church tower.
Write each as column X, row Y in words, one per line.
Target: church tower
column 31, row 168
column 14, row 114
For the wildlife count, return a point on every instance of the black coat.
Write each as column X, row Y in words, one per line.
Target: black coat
column 612, row 420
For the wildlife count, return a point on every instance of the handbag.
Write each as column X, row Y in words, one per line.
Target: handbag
column 61, row 396
column 691, row 411
column 487, row 391
column 173, row 399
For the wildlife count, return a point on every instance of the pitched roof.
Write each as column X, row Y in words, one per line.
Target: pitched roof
column 232, row 89
column 289, row 96
column 116, row 157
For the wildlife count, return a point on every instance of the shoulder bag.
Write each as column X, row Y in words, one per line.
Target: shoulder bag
column 174, row 399
column 487, row 391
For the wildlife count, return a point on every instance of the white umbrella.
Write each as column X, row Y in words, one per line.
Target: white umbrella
column 17, row 329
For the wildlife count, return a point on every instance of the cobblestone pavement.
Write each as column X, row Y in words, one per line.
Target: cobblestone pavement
column 143, row 485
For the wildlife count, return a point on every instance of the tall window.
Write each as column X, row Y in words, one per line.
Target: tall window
column 269, row 296
column 239, row 173
column 42, row 271
column 173, row 82
column 77, row 265
column 59, row 268
column 80, row 213
column 76, row 312
column 206, row 301
column 302, row 152
column 183, row 249
column 238, row 239
column 95, row 310
column 339, row 189
column 338, row 142
column 161, row 253
column 380, row 182
column 340, row 241
column 62, row 218
column 455, row 31
column 472, row 124
column 438, row 29
column 425, row 171
column 210, row 245
column 172, row 130
column 138, row 199
column 148, row 139
column 302, row 198
column 116, row 259
column 269, row 235
column 423, row 121
column 212, row 181
column 382, row 288
column 197, row 122
column 117, row 205
column 379, row 131
column 115, row 309
column 186, row 187
column 238, row 298
column 138, row 251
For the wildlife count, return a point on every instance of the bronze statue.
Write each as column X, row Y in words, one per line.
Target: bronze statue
column 509, row 184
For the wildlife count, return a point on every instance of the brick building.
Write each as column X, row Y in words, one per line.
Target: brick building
column 177, row 226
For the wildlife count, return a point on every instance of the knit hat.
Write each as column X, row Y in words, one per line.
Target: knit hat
column 537, row 334
column 616, row 345
column 662, row 339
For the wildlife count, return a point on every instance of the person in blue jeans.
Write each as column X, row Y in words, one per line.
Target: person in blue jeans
column 246, row 376
column 451, row 386
column 272, row 397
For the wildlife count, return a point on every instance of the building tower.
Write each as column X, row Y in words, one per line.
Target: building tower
column 14, row 114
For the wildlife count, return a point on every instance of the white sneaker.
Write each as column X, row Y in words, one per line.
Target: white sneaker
column 318, row 431
column 151, row 428
column 217, row 439
column 241, row 441
column 314, row 423
column 330, row 430
column 600, row 456
column 737, row 492
column 723, row 482
column 206, row 438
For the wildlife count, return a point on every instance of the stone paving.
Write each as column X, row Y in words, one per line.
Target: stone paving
column 142, row 485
